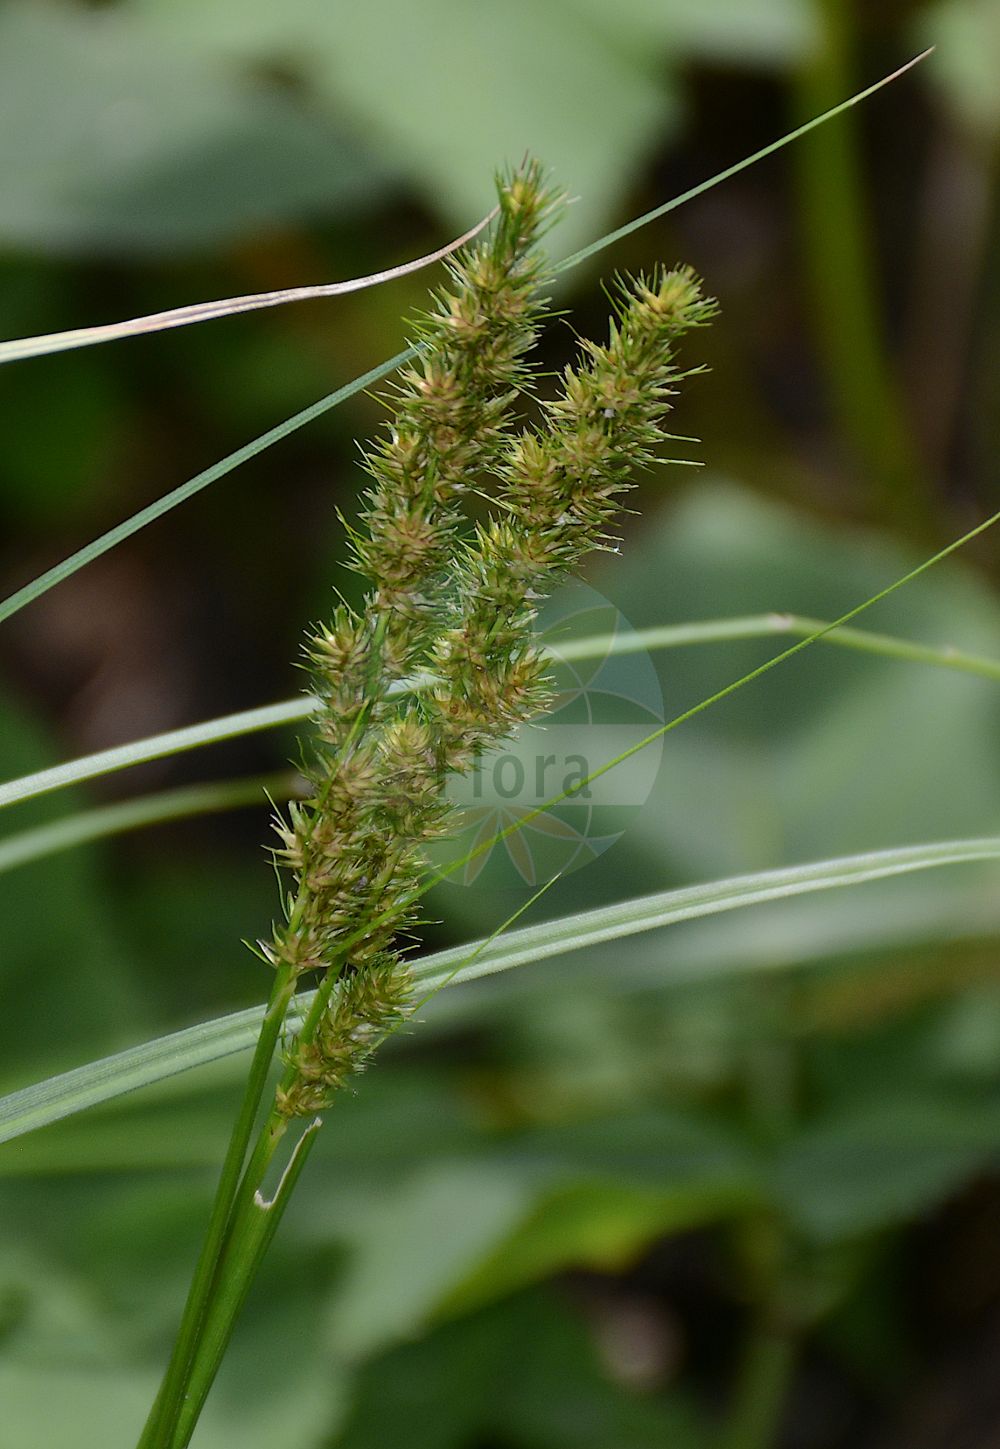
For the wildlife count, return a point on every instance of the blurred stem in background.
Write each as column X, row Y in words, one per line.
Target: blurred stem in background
column 957, row 207
column 764, row 1249
column 842, row 287
column 765, row 1374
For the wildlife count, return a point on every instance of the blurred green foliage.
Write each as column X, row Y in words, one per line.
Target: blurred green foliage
column 552, row 1214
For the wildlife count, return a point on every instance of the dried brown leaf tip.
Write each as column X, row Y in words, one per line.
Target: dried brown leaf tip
column 453, row 603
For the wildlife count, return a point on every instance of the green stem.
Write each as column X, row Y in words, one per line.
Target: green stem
column 163, row 1415
column 254, row 1223
column 122, row 531
column 762, row 1385
column 226, row 1266
column 253, row 1220
column 237, row 1182
column 240, row 1248
column 770, row 1080
column 842, row 282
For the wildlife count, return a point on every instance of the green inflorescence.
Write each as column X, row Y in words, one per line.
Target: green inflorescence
column 454, row 602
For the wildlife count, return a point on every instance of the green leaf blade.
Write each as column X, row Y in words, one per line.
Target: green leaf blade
column 114, row 1076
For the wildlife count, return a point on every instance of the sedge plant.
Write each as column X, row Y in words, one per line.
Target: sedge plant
column 436, row 665
column 451, row 603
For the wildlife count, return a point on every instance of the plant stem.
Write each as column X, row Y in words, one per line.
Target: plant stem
column 226, row 1265
column 246, row 1231
column 163, row 1416
column 840, row 275
column 953, row 234
column 761, row 1388
column 254, row 1223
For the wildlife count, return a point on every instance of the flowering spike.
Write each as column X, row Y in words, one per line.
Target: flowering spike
column 454, row 603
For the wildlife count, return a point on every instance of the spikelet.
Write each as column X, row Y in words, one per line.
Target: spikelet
column 366, row 1005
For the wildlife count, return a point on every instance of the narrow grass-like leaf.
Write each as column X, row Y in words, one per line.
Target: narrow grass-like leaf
column 667, row 908
column 598, row 646
column 122, row 531
column 103, row 1081
column 824, row 632
column 139, row 752
column 19, row 348
column 623, row 231
column 117, row 535
column 761, row 626
column 87, row 825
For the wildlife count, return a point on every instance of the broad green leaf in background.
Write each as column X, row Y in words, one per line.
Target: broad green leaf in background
column 450, row 90
column 69, row 1371
column 862, row 1167
column 429, row 1394
column 767, row 33
column 456, row 1234
column 118, row 140
column 167, row 1138
column 559, row 1393
column 46, row 1403
column 541, row 83
column 585, row 1222
column 881, row 780
column 417, row 1246
column 526, row 1372
column 744, row 783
